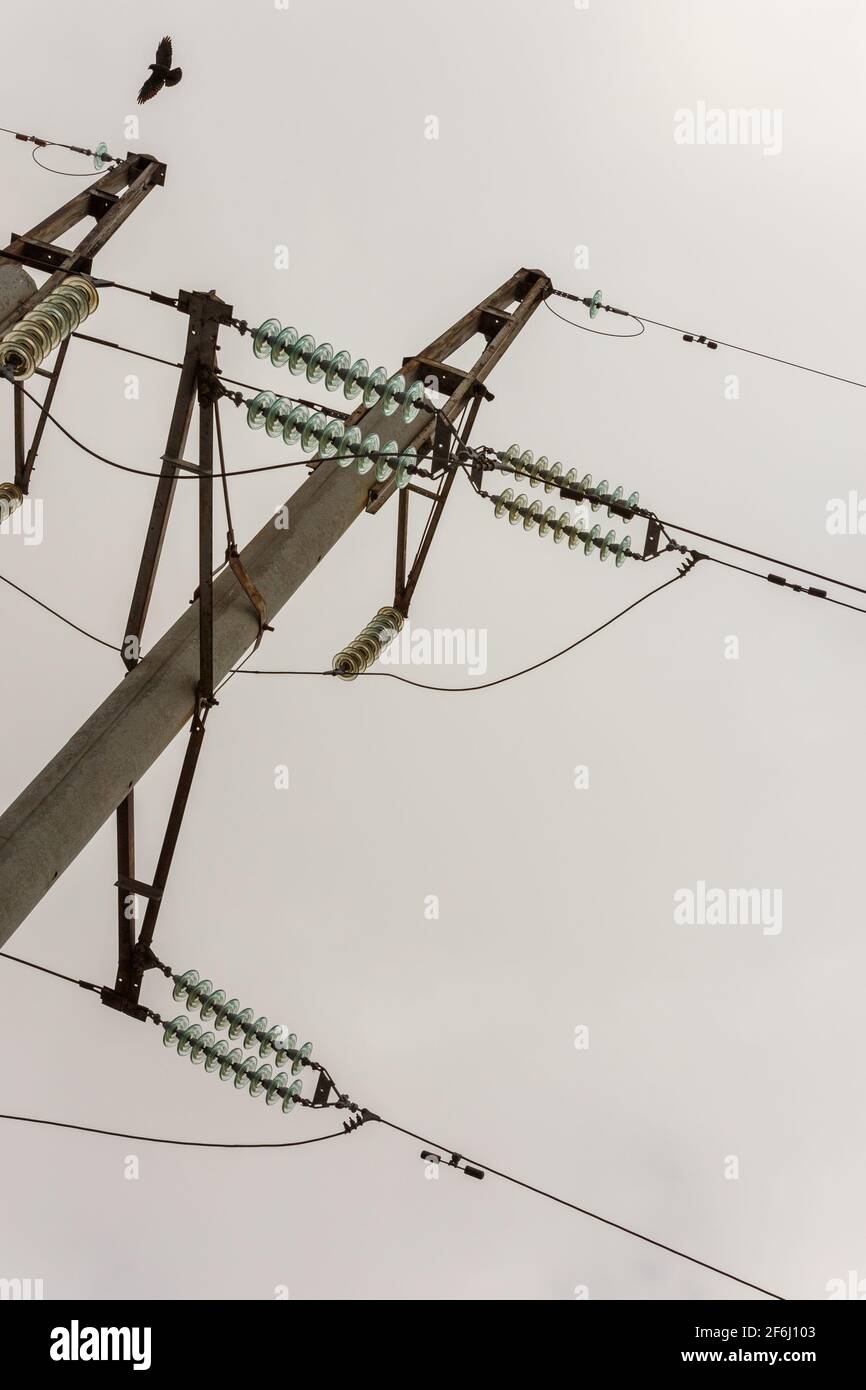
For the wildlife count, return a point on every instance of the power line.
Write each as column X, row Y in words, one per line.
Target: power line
column 584, row 328
column 53, row 611
column 67, row 173
column 181, row 477
column 756, row 555
column 180, row 1143
column 501, row 680
column 584, row 1211
column 694, row 337
column 46, row 970
column 232, row 381
column 365, row 1117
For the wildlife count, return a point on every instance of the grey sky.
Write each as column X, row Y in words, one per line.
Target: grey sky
column 306, row 128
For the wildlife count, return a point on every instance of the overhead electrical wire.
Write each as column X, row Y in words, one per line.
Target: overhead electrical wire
column 53, row 611
column 501, row 680
column 66, row 173
column 643, row 319
column 583, row 1211
column 362, row 1117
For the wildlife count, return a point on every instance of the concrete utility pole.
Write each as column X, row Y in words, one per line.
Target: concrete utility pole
column 67, row 803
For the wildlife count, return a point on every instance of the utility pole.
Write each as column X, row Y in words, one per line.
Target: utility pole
column 48, row 825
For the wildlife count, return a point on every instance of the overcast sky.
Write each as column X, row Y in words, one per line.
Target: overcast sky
column 716, row 1106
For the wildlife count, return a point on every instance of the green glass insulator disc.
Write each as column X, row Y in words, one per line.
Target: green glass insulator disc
column 349, row 446
column 623, row 550
column 172, row 1030
column 553, row 476
column 264, row 337
column 559, row 530
column 387, row 460
column 595, row 305
column 547, row 521
column 599, row 491
column 291, row 1100
column 514, row 511
column 184, row 983
column 186, row 1039
column 273, row 1086
column 271, row 1041
column 197, row 1051
column 524, row 464
column 337, row 369
column 589, row 543
column 365, row 459
column 395, row 389
column 222, row 1017
column 374, row 386
column 329, row 439
column 282, row 346
column 229, row 1062
column 532, row 514
column 242, row 1021
column 245, row 1072
column 633, row 500
column 277, row 416
column 286, row 1046
column 50, row 326
column 214, row 1001
column 100, row 157
column 320, row 361
column 301, row 354
column 258, row 407
column 413, row 401
column 511, row 456
column 615, row 497
column 215, row 1055
column 199, row 993
column 295, row 422
column 407, row 460
column 259, row 1079
column 607, row 544
column 314, row 427
column 503, row 501
column 355, row 378
column 538, row 470
column 303, row 1053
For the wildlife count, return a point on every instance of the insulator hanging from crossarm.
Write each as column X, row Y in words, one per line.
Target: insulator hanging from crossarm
column 299, row 352
column 11, row 498
column 227, row 1013
column 523, row 464
column 45, row 326
column 531, row 514
column 368, row 646
column 202, row 1047
column 329, row 438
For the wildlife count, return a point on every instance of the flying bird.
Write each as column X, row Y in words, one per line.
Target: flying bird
column 162, row 74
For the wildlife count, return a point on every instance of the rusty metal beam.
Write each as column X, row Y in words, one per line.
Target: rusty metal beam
column 206, row 313
column 137, row 174
column 529, row 288
column 26, row 469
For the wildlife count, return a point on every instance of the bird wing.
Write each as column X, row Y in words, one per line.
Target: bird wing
column 150, row 88
column 163, row 52
column 174, row 77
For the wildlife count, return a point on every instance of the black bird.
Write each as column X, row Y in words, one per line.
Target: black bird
column 162, row 74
